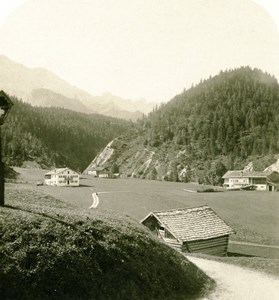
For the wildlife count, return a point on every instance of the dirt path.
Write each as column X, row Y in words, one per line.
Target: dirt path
column 235, row 283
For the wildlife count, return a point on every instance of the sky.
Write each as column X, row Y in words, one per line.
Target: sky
column 135, row 49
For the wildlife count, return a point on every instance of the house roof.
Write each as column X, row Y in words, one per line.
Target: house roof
column 57, row 171
column 240, row 173
column 98, row 169
column 189, row 224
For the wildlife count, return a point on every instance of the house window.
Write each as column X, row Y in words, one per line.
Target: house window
column 161, row 231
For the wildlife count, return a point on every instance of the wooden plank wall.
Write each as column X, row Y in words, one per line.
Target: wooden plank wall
column 216, row 246
column 174, row 244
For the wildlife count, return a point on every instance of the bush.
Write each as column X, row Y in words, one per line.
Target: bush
column 10, row 173
column 209, row 190
column 49, row 252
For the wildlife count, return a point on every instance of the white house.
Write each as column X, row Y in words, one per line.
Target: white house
column 261, row 181
column 62, row 177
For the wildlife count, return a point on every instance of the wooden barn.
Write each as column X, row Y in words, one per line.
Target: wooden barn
column 194, row 230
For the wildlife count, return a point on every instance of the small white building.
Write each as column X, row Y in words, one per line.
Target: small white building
column 261, row 181
column 100, row 172
column 62, row 177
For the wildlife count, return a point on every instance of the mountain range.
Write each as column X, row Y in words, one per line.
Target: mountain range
column 222, row 123
column 41, row 87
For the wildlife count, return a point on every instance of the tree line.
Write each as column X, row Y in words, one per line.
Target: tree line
column 234, row 115
column 56, row 136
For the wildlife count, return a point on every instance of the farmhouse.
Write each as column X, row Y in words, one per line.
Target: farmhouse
column 62, row 177
column 261, row 181
column 98, row 172
column 193, row 230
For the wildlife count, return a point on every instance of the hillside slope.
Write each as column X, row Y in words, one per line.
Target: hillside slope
column 222, row 123
column 56, row 136
column 49, row 250
column 47, row 98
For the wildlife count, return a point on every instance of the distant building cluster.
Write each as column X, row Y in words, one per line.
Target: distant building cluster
column 100, row 172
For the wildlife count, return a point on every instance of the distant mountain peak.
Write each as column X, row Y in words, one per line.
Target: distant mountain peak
column 39, row 86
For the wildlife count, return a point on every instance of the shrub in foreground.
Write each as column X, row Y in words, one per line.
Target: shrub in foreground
column 69, row 256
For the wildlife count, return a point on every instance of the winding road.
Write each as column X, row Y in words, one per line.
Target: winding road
column 95, row 200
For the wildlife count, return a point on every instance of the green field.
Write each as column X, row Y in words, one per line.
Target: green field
column 52, row 250
column 253, row 215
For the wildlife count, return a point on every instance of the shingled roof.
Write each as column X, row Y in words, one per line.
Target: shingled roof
column 239, row 173
column 189, row 224
column 57, row 171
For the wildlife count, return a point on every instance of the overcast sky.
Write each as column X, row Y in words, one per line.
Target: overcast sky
column 150, row 49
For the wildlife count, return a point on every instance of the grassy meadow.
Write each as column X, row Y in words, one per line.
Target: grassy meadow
column 253, row 215
column 52, row 250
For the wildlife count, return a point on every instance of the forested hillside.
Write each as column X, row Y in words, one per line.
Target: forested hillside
column 221, row 123
column 56, row 136
column 235, row 113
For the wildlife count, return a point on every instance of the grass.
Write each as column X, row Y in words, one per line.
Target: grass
column 253, row 215
column 52, row 250
column 246, row 249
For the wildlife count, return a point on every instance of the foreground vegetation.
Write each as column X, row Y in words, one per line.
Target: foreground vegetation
column 48, row 250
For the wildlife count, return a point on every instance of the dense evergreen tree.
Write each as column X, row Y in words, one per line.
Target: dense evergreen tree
column 235, row 113
column 56, row 136
column 221, row 123
column 114, row 169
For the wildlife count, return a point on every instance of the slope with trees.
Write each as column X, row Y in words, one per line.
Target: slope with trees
column 56, row 136
column 235, row 113
column 221, row 123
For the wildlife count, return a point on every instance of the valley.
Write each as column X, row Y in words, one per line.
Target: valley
column 139, row 150
column 253, row 215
